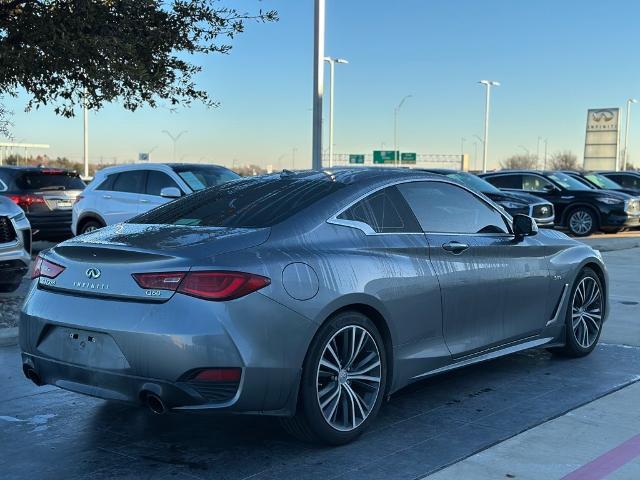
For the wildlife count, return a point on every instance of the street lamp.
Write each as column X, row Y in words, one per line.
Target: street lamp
column 626, row 133
column 488, row 84
column 318, row 84
column 332, row 65
column 85, row 118
column 395, row 128
column 174, row 139
column 525, row 149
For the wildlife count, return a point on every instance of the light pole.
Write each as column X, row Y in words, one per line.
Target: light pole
column 332, row 65
column 546, row 144
column 318, row 84
column 395, row 128
column 626, row 134
column 174, row 139
column 525, row 149
column 488, row 84
column 538, row 151
column 85, row 115
column 462, row 140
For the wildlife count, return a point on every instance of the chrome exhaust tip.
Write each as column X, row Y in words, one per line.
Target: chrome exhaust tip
column 155, row 404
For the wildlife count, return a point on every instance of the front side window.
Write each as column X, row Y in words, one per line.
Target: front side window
column 247, row 203
column 205, row 176
column 384, row 211
column 446, row 208
column 627, row 181
column 534, row 183
column 130, row 182
column 156, row 181
column 506, row 181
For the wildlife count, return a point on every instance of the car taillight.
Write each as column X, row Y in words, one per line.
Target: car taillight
column 217, row 286
column 159, row 281
column 45, row 268
column 26, row 200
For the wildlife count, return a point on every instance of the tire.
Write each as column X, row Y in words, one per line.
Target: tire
column 90, row 226
column 582, row 222
column 575, row 345
column 347, row 401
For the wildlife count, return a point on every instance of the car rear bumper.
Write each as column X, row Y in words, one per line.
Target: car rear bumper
column 53, row 225
column 142, row 347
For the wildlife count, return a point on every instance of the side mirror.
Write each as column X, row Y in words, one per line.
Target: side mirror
column 524, row 226
column 170, row 192
column 550, row 188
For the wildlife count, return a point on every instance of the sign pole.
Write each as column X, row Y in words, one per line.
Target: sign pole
column 318, row 84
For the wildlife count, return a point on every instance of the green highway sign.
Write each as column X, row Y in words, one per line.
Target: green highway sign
column 356, row 158
column 408, row 158
column 385, row 156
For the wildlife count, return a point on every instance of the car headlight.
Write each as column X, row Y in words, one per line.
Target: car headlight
column 512, row 205
column 610, row 200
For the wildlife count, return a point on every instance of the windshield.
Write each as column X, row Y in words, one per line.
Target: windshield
column 473, row 182
column 49, row 180
column 567, row 182
column 248, row 203
column 205, row 176
column 602, row 181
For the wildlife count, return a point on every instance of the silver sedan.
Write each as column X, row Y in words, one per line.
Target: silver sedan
column 311, row 296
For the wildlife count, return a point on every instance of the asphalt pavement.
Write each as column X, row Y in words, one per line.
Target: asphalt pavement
column 427, row 428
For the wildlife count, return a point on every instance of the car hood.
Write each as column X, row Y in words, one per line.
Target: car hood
column 524, row 198
column 597, row 193
column 8, row 208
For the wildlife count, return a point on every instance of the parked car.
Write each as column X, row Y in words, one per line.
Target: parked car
column 15, row 245
column 579, row 208
column 312, row 296
column 46, row 195
column 598, row 181
column 118, row 193
column 629, row 179
column 513, row 202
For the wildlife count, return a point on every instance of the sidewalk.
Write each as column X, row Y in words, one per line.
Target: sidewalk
column 600, row 440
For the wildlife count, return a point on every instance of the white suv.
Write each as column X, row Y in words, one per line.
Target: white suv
column 119, row 193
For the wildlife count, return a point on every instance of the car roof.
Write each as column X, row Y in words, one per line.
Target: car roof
column 441, row 171
column 15, row 169
column 165, row 167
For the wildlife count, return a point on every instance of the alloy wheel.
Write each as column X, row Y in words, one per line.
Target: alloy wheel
column 581, row 222
column 348, row 378
column 586, row 312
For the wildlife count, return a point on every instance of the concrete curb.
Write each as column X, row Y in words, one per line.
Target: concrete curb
column 8, row 336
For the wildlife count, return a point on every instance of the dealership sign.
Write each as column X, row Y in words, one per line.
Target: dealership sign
column 602, row 139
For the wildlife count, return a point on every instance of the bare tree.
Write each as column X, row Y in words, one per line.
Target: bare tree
column 519, row 162
column 566, row 160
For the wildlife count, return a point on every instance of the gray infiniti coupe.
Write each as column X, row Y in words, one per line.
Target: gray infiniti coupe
column 311, row 296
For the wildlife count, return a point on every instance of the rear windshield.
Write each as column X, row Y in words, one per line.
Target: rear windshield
column 49, row 180
column 199, row 178
column 247, row 203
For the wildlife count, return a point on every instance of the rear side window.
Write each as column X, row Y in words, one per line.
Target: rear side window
column 627, row 181
column 506, row 181
column 49, row 180
column 156, row 181
column 248, row 203
column 446, row 208
column 130, row 182
column 107, row 183
column 384, row 211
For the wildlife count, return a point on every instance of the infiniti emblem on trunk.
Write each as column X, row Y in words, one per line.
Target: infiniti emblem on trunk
column 93, row 273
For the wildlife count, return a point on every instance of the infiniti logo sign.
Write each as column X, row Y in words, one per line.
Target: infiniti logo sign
column 93, row 273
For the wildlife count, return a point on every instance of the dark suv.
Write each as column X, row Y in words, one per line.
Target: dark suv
column 513, row 202
column 599, row 182
column 580, row 208
column 629, row 180
column 46, row 195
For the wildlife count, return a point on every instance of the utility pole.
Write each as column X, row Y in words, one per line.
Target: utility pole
column 396, row 147
column 625, row 158
column 174, row 139
column 85, row 114
column 318, row 84
column 488, row 84
column 332, row 66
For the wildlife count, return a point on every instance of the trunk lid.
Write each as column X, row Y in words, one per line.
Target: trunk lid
column 101, row 263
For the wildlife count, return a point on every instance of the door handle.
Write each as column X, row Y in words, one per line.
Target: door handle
column 455, row 247
column 142, row 200
column 106, row 196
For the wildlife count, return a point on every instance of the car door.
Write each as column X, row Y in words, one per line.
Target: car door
column 483, row 272
column 156, row 181
column 123, row 200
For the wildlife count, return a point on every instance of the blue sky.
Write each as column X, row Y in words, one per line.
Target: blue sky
column 554, row 58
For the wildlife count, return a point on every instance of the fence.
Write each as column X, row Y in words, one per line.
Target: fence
column 430, row 160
